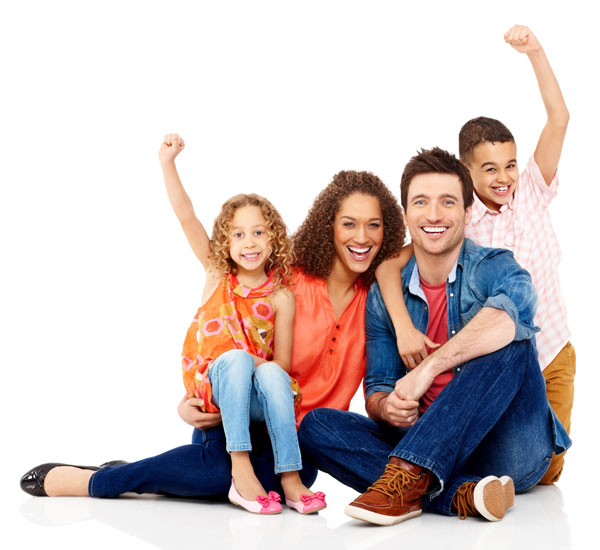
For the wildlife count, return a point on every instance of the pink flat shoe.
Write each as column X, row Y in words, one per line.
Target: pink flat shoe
column 262, row 505
column 308, row 503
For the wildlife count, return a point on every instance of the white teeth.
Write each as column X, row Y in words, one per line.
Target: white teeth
column 434, row 229
column 251, row 256
column 359, row 250
column 502, row 189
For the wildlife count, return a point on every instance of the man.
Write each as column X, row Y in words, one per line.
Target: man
column 473, row 409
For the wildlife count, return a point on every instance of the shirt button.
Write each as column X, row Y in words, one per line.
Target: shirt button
column 452, row 295
column 337, row 326
column 425, row 308
column 458, row 369
column 334, row 339
column 453, row 332
column 331, row 351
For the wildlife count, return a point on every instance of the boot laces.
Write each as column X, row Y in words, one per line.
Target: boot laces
column 395, row 481
column 463, row 500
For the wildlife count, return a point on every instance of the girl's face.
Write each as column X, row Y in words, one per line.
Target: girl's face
column 357, row 232
column 248, row 240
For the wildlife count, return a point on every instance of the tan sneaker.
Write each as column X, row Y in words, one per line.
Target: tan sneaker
column 490, row 497
column 394, row 497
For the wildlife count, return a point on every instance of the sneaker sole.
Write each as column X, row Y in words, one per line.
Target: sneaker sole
column 378, row 519
column 494, row 496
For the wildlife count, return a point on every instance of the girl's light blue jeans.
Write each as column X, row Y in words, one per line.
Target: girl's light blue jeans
column 247, row 394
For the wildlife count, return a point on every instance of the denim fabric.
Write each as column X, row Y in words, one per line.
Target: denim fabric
column 202, row 469
column 482, row 277
column 261, row 394
column 493, row 418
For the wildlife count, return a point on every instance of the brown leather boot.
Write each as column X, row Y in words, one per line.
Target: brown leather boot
column 395, row 496
column 490, row 498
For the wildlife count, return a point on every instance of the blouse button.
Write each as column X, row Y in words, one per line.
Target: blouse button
column 337, row 326
column 334, row 339
column 331, row 351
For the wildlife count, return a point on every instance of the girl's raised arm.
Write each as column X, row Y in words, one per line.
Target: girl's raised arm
column 196, row 235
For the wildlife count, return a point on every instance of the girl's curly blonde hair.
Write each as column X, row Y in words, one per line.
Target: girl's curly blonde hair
column 281, row 258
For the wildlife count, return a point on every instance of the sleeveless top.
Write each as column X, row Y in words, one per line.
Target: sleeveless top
column 234, row 317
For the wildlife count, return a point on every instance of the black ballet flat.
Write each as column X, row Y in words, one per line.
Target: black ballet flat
column 33, row 481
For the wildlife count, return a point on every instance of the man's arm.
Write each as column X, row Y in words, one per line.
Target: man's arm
column 549, row 147
column 508, row 303
column 384, row 367
column 490, row 330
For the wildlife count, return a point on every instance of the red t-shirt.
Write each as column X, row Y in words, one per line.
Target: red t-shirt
column 437, row 330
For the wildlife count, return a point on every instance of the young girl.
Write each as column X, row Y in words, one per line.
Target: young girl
column 236, row 355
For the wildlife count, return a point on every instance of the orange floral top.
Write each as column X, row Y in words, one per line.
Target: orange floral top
column 234, row 317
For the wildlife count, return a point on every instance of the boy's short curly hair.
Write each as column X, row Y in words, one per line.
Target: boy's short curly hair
column 480, row 130
column 280, row 260
column 313, row 241
column 436, row 161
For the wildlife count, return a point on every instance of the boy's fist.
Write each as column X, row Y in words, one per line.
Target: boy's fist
column 171, row 146
column 522, row 39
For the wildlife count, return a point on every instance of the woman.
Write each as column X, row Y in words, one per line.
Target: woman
column 354, row 224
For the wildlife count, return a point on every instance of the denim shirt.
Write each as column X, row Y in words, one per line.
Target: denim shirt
column 481, row 277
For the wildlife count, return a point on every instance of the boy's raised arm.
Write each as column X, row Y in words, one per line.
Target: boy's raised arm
column 196, row 235
column 549, row 147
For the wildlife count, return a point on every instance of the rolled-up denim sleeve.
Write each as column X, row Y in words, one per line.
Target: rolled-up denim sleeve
column 509, row 287
column 384, row 366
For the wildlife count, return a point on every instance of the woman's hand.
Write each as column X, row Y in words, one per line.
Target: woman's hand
column 189, row 411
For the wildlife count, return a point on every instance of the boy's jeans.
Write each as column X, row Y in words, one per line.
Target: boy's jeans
column 262, row 394
column 493, row 418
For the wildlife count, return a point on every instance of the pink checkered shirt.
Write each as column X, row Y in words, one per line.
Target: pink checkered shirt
column 524, row 226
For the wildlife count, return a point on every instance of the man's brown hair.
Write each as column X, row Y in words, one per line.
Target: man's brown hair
column 436, row 161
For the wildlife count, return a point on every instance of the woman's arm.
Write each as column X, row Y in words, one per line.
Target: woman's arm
column 285, row 309
column 411, row 342
column 196, row 235
column 190, row 412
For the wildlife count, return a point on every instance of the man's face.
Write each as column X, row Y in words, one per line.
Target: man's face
column 495, row 174
column 435, row 213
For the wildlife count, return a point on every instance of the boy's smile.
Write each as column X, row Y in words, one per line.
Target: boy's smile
column 495, row 174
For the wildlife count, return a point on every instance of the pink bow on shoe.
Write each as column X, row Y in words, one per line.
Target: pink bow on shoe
column 308, row 503
column 266, row 501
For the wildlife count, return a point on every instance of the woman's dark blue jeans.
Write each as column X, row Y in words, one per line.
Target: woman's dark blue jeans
column 202, row 469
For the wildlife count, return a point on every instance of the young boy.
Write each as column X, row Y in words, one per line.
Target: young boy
column 511, row 211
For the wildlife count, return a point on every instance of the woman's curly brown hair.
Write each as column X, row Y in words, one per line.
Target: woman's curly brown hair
column 313, row 241
column 281, row 258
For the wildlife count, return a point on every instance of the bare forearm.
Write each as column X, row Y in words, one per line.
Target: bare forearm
column 554, row 102
column 374, row 406
column 179, row 199
column 490, row 330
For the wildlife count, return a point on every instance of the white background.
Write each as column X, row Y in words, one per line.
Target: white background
column 98, row 284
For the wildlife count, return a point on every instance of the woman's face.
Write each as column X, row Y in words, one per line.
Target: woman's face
column 357, row 232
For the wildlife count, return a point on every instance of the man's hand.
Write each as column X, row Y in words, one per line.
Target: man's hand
column 412, row 346
column 171, row 146
column 522, row 39
column 399, row 412
column 415, row 383
column 189, row 411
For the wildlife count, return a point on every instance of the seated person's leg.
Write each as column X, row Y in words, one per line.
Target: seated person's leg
column 348, row 446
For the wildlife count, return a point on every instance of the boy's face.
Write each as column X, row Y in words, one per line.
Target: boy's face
column 493, row 167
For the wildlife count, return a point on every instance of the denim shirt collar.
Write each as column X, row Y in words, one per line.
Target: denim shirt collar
column 413, row 283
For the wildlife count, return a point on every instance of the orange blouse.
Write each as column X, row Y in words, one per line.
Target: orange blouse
column 328, row 355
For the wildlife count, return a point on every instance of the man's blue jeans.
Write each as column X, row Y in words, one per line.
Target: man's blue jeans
column 261, row 394
column 493, row 418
